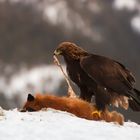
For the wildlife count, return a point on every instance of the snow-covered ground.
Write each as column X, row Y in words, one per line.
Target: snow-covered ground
column 42, row 79
column 58, row 125
column 16, row 84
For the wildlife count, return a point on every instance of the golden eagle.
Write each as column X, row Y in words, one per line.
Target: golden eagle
column 108, row 80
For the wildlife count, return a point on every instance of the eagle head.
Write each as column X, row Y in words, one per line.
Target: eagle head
column 68, row 49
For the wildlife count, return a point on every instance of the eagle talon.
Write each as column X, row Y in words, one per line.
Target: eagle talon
column 96, row 114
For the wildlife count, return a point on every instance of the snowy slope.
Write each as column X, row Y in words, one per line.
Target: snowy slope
column 44, row 79
column 51, row 10
column 58, row 125
column 40, row 78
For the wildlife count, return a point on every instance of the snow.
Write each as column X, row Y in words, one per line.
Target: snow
column 45, row 77
column 42, row 79
column 128, row 4
column 58, row 12
column 58, row 125
column 135, row 23
column 52, row 12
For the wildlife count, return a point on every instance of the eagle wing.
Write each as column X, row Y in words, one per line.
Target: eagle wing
column 108, row 73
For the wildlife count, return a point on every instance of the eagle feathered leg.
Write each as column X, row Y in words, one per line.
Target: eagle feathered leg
column 85, row 94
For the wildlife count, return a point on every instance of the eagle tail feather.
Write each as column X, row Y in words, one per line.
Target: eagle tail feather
column 134, row 102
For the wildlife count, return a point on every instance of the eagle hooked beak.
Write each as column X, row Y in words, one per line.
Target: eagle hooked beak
column 57, row 52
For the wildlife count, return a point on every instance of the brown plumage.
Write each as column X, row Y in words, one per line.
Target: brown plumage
column 108, row 80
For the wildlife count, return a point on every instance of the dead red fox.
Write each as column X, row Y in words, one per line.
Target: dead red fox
column 75, row 106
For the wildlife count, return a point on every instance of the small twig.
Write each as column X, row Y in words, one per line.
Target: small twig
column 71, row 92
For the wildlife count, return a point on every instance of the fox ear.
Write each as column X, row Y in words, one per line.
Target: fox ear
column 30, row 97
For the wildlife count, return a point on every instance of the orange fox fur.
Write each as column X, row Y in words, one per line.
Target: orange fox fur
column 75, row 106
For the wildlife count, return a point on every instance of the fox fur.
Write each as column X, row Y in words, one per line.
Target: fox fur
column 76, row 106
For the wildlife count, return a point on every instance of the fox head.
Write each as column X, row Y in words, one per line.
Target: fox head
column 32, row 104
